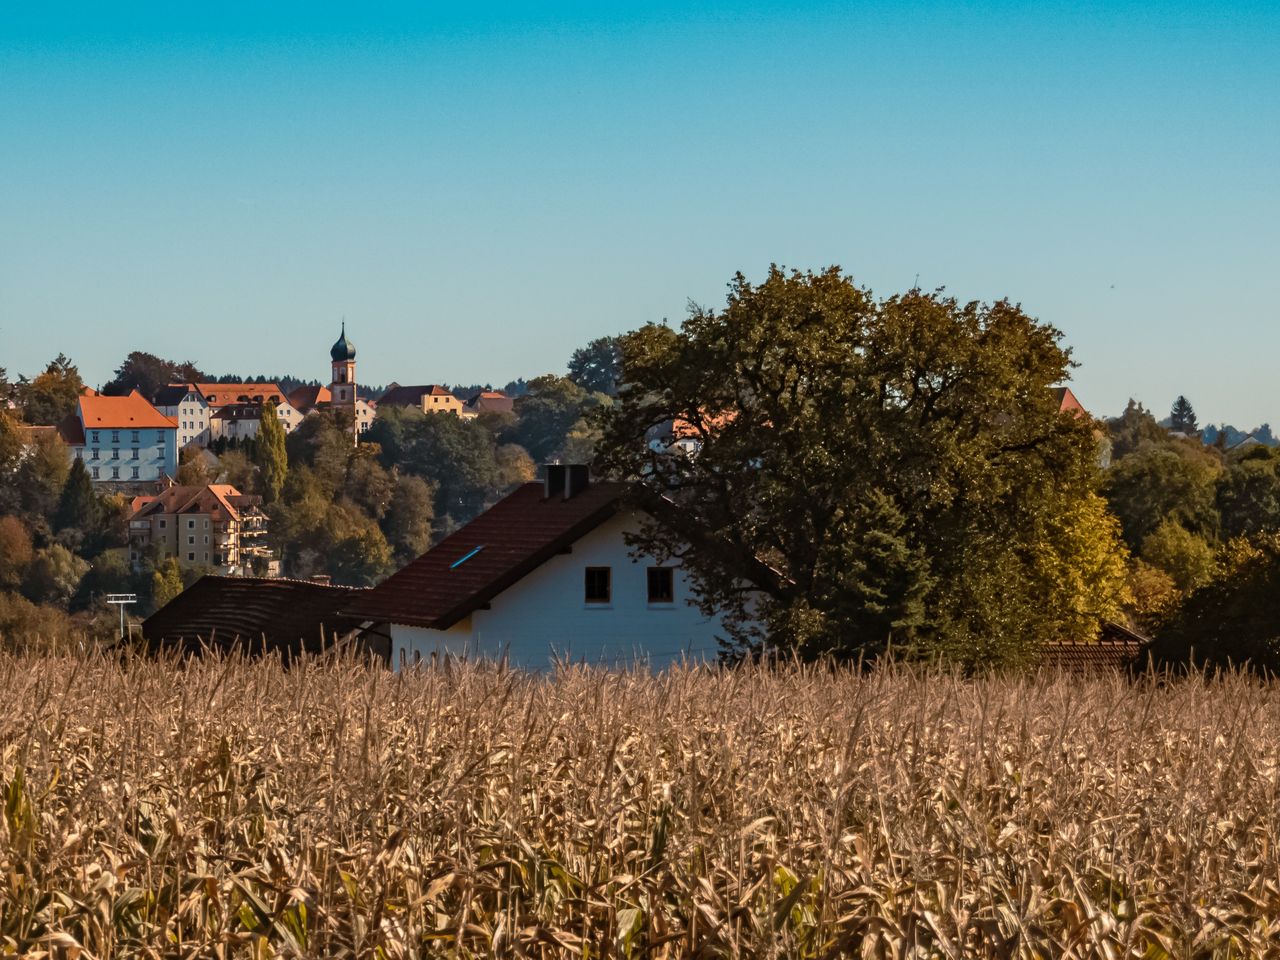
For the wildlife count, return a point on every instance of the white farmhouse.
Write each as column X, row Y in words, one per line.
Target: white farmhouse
column 543, row 574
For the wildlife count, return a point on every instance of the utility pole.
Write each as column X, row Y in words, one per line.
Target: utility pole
column 122, row 600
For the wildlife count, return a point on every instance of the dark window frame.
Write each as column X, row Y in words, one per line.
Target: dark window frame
column 591, row 592
column 668, row 576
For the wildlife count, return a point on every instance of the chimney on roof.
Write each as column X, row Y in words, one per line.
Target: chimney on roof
column 565, row 480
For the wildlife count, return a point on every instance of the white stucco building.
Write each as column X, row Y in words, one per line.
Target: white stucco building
column 122, row 440
column 544, row 574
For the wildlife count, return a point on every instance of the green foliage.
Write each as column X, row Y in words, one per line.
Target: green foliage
column 270, row 454
column 54, row 575
column 1186, row 558
column 147, row 373
column 547, row 413
column 457, row 456
column 39, row 480
column 193, row 467
column 1235, row 618
column 1133, row 428
column 1173, row 480
column 597, row 367
column 52, row 395
column 166, row 582
column 78, row 505
column 1248, row 493
column 1182, row 417
column 409, row 516
column 869, row 472
column 238, row 470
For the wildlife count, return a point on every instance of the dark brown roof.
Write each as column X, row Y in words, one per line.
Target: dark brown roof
column 173, row 394
column 398, row 396
column 305, row 397
column 472, row 566
column 1117, row 648
column 71, row 430
column 279, row 615
column 491, row 401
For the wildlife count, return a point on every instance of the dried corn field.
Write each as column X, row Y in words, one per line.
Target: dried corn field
column 229, row 808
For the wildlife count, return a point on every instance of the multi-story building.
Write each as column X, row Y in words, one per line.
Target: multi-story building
column 188, row 407
column 211, row 526
column 122, row 440
column 201, row 410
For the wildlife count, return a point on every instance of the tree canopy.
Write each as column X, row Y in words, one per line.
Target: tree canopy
column 147, row 373
column 597, row 367
column 869, row 472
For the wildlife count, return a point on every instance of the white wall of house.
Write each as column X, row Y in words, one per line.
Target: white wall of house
column 546, row 614
column 192, row 413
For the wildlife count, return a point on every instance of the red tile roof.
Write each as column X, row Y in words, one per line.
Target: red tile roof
column 1067, row 401
column 216, row 394
column 472, row 566
column 278, row 615
column 215, row 499
column 305, row 397
column 98, row 412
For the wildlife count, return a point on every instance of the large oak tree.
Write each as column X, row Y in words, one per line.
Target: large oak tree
column 869, row 472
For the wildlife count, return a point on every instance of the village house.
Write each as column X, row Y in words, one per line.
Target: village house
column 488, row 401
column 122, row 440
column 427, row 397
column 544, row 573
column 204, row 410
column 202, row 526
column 187, row 406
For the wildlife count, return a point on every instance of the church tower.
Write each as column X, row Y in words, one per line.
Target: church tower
column 342, row 390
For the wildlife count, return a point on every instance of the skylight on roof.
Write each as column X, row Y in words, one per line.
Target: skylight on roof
column 463, row 559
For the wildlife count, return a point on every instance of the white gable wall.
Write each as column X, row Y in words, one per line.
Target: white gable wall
column 545, row 613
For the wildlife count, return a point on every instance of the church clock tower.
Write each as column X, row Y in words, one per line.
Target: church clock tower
column 342, row 390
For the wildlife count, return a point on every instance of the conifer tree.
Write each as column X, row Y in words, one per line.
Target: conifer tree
column 1182, row 417
column 78, row 506
column 269, row 454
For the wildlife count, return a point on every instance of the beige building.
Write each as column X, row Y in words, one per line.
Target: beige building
column 427, row 397
column 211, row 526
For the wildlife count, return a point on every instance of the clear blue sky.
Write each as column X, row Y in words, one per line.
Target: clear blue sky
column 479, row 190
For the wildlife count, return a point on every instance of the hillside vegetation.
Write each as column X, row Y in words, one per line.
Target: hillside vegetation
column 228, row 808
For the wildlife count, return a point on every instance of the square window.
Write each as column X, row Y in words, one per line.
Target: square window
column 115, row 473
column 135, row 473
column 191, row 541
column 135, row 454
column 94, row 436
column 95, row 473
column 191, row 557
column 115, row 453
column 162, row 523
column 598, row 585
column 115, row 436
column 662, row 585
column 135, row 436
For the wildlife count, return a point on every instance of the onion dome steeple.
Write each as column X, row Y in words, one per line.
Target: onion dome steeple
column 344, row 349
